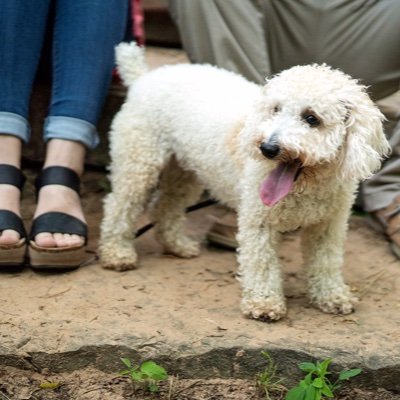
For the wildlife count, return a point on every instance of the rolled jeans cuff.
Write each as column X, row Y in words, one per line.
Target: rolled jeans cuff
column 14, row 125
column 69, row 128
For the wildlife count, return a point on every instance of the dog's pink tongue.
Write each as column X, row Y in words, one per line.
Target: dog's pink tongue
column 278, row 183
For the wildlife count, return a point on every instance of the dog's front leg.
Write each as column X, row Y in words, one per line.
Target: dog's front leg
column 323, row 249
column 259, row 269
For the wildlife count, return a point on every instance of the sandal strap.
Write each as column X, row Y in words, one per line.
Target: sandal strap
column 58, row 222
column 57, row 175
column 11, row 175
column 10, row 220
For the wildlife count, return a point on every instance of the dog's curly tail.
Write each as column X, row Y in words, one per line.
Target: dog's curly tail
column 131, row 62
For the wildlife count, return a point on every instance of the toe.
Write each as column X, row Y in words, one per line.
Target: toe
column 68, row 240
column 9, row 237
column 45, row 239
column 76, row 240
column 61, row 239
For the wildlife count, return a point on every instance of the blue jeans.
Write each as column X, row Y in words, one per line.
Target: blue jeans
column 83, row 40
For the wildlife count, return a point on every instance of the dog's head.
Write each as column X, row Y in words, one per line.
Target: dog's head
column 316, row 119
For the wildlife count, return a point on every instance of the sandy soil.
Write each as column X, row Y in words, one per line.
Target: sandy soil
column 61, row 311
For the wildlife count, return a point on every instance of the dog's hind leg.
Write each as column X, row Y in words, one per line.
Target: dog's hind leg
column 137, row 161
column 179, row 188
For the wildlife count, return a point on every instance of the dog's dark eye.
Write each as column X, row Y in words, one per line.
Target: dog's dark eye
column 276, row 109
column 312, row 120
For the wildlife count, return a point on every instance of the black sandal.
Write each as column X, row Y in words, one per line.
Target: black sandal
column 14, row 254
column 57, row 222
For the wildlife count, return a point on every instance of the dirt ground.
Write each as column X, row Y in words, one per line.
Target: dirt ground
column 47, row 322
column 90, row 384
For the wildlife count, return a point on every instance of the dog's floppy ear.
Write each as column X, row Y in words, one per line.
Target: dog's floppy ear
column 365, row 143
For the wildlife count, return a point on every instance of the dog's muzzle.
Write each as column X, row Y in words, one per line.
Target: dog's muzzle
column 269, row 150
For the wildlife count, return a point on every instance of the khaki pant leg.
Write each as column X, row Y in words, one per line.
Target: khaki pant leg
column 379, row 191
column 226, row 33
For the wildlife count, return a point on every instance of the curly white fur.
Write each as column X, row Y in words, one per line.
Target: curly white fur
column 188, row 127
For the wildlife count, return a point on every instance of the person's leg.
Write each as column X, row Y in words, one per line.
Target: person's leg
column 381, row 195
column 229, row 34
column 70, row 154
column 85, row 34
column 22, row 28
column 381, row 190
column 10, row 153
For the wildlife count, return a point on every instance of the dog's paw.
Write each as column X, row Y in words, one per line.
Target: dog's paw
column 264, row 309
column 118, row 258
column 185, row 248
column 339, row 301
column 119, row 266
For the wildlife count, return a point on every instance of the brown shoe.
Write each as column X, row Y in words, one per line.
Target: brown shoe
column 223, row 234
column 387, row 221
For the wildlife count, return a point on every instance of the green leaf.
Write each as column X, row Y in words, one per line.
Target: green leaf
column 50, row 385
column 323, row 367
column 153, row 371
column 318, row 383
column 297, row 393
column 125, row 372
column 311, row 393
column 326, row 391
column 307, row 366
column 127, row 362
column 308, row 379
column 349, row 373
column 136, row 376
column 303, row 384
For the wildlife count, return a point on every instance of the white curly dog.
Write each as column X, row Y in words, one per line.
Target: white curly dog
column 286, row 155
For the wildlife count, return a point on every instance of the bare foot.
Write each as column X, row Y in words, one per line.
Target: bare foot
column 60, row 198
column 10, row 153
column 9, row 200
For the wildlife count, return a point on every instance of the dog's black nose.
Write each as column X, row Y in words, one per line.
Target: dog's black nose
column 269, row 150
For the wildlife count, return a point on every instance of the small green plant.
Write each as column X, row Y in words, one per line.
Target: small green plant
column 267, row 380
column 316, row 385
column 148, row 373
